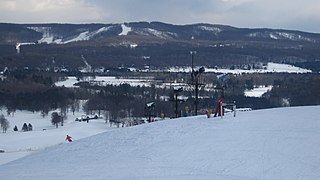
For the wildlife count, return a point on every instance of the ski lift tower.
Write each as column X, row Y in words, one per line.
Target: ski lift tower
column 176, row 91
column 195, row 75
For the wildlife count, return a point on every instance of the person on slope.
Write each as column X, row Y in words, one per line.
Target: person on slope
column 220, row 105
column 69, row 138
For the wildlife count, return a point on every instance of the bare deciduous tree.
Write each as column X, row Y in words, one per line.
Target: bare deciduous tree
column 4, row 123
column 55, row 119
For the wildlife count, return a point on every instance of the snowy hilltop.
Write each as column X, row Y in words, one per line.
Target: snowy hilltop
column 281, row 143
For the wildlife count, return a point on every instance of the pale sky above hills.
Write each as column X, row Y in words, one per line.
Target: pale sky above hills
column 285, row 14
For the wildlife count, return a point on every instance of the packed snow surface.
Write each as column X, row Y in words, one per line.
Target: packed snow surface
column 280, row 143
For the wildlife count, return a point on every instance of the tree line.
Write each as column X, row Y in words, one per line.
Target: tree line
column 35, row 91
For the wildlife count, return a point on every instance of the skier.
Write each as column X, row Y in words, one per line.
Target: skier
column 220, row 105
column 69, row 138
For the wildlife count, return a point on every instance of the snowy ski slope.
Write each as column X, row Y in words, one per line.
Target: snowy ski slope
column 281, row 143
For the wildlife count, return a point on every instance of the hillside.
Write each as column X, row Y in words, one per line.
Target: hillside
column 67, row 33
column 278, row 143
column 156, row 44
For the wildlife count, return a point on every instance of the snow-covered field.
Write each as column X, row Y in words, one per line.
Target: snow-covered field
column 257, row 92
column 269, row 68
column 105, row 80
column 111, row 80
column 280, row 143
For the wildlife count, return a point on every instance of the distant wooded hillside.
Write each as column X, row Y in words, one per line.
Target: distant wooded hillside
column 155, row 44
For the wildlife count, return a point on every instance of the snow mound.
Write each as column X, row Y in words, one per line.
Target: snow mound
column 278, row 143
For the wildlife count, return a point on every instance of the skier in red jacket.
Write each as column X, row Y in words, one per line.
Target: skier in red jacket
column 220, row 104
column 69, row 138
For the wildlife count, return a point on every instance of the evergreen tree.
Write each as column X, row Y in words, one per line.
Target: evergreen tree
column 29, row 127
column 15, row 128
column 25, row 127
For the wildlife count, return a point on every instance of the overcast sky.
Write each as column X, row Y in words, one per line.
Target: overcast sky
column 280, row 14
